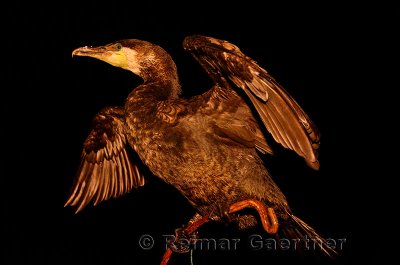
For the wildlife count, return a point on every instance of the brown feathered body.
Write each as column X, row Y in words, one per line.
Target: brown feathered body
column 187, row 147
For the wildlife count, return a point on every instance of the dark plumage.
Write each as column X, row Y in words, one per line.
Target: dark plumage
column 205, row 146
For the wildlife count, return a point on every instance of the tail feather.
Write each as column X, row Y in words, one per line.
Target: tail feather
column 297, row 229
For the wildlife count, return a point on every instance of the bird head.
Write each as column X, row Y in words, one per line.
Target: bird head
column 140, row 57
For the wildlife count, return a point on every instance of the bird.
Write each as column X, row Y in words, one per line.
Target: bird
column 210, row 146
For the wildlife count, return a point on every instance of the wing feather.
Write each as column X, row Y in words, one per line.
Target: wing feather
column 282, row 116
column 106, row 170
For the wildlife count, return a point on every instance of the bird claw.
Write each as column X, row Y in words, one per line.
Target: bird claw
column 222, row 216
column 268, row 217
column 182, row 241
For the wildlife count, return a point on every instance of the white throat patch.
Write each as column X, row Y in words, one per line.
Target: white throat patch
column 133, row 60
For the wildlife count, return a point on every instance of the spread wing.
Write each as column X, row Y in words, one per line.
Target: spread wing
column 105, row 169
column 282, row 116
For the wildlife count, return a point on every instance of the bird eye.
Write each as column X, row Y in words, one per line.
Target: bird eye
column 118, row 46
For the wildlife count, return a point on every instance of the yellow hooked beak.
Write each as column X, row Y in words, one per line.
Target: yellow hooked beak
column 113, row 54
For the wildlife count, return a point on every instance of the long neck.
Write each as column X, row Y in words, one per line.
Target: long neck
column 160, row 78
column 159, row 85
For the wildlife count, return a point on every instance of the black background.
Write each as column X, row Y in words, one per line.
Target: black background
column 324, row 55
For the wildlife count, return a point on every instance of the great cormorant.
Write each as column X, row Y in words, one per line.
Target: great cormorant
column 206, row 146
